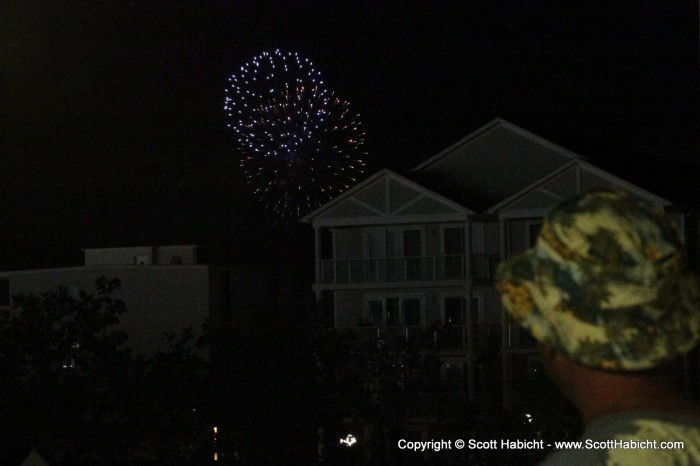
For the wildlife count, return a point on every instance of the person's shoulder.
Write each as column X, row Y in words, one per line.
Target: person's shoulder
column 649, row 437
column 634, row 437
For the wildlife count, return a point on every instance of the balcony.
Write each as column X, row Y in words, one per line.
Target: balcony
column 425, row 406
column 453, row 337
column 392, row 269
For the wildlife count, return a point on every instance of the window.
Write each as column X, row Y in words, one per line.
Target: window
column 453, row 376
column 411, row 243
column 326, row 244
column 453, row 241
column 533, row 230
column 4, row 293
column 454, row 310
column 485, row 265
column 376, row 244
column 376, row 312
column 522, row 234
column 411, row 312
column 398, row 253
column 394, row 243
column 453, row 250
column 394, row 311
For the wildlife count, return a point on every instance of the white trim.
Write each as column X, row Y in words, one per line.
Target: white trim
column 478, row 295
column 579, row 165
column 524, row 213
column 333, row 202
column 97, row 268
column 408, row 219
column 335, row 309
column 465, row 141
column 381, row 213
column 554, row 174
column 556, row 196
column 624, row 184
column 495, row 123
column 410, row 203
column 313, row 217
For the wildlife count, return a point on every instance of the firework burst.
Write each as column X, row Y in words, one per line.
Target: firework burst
column 300, row 145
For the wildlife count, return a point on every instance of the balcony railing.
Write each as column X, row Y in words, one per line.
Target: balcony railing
column 411, row 405
column 442, row 338
column 392, row 269
column 517, row 338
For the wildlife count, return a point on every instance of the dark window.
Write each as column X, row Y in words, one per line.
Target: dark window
column 327, row 308
column 326, row 244
column 4, row 292
column 454, row 242
column 411, row 243
column 454, row 310
column 411, row 312
column 453, row 376
column 225, row 298
column 376, row 312
column 412, row 252
column 534, row 231
column 392, row 311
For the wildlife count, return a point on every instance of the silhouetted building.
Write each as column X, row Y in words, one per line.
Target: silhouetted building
column 165, row 289
column 410, row 260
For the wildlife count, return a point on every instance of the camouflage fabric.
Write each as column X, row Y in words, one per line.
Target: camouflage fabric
column 607, row 283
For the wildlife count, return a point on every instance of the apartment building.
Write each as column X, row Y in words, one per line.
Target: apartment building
column 409, row 260
column 165, row 288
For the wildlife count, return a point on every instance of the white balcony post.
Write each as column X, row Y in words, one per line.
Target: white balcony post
column 471, row 363
column 505, row 329
column 467, row 259
column 317, row 246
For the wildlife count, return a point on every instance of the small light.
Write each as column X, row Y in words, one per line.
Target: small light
column 348, row 441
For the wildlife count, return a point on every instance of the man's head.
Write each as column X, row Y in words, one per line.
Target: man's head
column 607, row 284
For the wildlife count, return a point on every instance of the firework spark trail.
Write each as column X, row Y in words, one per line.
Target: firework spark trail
column 300, row 145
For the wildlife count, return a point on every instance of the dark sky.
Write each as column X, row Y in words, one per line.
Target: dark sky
column 113, row 131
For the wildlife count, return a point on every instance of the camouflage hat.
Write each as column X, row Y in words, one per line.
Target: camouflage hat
column 607, row 284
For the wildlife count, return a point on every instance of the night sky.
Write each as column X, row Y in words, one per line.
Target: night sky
column 113, row 131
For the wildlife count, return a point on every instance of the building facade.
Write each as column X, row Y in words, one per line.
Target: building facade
column 410, row 260
column 165, row 288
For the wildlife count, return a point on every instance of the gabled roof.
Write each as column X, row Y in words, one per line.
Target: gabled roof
column 491, row 164
column 574, row 178
column 499, row 169
column 387, row 197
